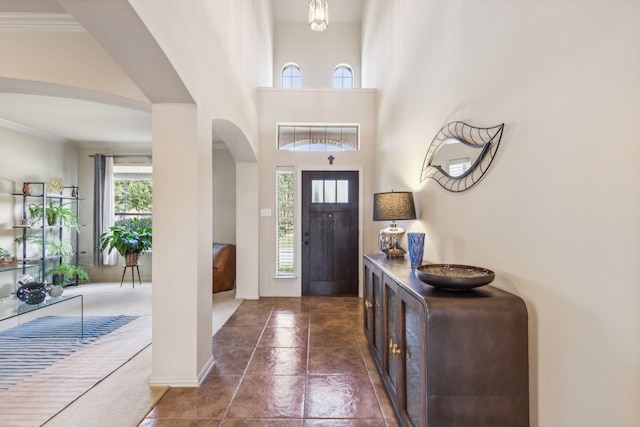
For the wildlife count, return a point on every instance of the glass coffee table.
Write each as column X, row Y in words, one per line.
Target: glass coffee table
column 14, row 312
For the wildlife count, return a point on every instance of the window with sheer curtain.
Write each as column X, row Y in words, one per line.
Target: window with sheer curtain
column 132, row 191
column 122, row 192
column 458, row 167
column 285, row 248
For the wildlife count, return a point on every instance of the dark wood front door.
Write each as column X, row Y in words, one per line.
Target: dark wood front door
column 330, row 233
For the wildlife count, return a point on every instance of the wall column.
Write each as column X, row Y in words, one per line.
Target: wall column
column 247, row 230
column 182, row 227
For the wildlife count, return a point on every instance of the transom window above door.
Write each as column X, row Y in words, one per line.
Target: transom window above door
column 309, row 137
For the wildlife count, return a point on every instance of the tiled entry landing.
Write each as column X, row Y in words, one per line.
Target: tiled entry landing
column 290, row 362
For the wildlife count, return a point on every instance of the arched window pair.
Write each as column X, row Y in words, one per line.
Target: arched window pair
column 292, row 77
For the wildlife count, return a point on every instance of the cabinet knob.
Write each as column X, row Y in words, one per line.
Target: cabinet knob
column 367, row 304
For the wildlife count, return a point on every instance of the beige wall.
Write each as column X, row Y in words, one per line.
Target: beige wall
column 221, row 64
column 309, row 106
column 556, row 216
column 26, row 158
column 316, row 53
column 48, row 57
column 224, row 196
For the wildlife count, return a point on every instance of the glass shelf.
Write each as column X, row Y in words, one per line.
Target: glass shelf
column 18, row 267
column 49, row 196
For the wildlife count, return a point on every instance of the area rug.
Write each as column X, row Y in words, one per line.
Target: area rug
column 41, row 375
column 35, row 345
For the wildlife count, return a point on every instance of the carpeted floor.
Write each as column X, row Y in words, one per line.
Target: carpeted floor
column 34, row 346
column 35, row 399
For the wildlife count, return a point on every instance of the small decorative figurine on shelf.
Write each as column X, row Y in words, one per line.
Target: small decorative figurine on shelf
column 7, row 259
column 26, row 189
column 54, row 185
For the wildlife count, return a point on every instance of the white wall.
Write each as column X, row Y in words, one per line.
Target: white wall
column 221, row 54
column 224, row 196
column 310, row 106
column 316, row 53
column 556, row 216
column 26, row 158
column 47, row 57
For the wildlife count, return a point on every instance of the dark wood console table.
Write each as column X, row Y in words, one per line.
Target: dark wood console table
column 446, row 358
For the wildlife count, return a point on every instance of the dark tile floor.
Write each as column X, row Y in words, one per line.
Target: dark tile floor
column 290, row 362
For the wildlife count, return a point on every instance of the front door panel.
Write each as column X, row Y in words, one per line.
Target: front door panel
column 330, row 233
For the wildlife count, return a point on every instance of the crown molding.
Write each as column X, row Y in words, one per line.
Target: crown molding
column 62, row 22
column 31, row 131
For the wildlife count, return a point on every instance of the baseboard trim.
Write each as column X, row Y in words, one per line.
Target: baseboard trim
column 252, row 297
column 205, row 370
column 185, row 381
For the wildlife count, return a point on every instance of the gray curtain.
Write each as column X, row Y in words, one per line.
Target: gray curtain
column 98, row 205
column 108, row 209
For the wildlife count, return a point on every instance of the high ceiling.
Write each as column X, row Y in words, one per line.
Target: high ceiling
column 298, row 10
column 85, row 122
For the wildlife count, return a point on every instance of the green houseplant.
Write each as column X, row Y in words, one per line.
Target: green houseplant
column 64, row 273
column 55, row 248
column 129, row 242
column 56, row 215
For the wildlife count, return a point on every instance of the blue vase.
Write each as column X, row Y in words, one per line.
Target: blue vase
column 416, row 248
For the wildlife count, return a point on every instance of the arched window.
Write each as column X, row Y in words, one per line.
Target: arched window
column 342, row 77
column 291, row 76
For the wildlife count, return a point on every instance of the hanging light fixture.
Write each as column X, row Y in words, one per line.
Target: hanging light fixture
column 318, row 15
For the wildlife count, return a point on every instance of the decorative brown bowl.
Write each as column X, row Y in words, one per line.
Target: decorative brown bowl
column 454, row 276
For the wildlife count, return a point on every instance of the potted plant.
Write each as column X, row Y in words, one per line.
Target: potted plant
column 64, row 273
column 129, row 242
column 55, row 248
column 56, row 215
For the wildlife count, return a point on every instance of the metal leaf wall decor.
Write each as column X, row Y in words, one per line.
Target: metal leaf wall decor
column 485, row 140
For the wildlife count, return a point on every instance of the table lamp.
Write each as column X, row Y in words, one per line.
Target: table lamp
column 393, row 206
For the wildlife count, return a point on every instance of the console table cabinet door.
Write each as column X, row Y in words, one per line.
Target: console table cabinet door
column 392, row 351
column 412, row 332
column 404, row 370
column 373, row 325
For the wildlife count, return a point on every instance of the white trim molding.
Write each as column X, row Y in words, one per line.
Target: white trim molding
column 39, row 22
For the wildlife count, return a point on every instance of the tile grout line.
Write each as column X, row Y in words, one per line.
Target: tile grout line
column 246, row 368
column 306, row 378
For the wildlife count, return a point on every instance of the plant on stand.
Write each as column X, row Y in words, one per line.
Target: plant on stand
column 129, row 242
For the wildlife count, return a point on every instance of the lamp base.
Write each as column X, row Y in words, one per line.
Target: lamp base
column 388, row 241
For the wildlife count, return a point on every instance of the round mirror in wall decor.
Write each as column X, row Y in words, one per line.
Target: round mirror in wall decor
column 460, row 154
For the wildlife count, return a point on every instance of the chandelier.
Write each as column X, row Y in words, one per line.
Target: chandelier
column 318, row 15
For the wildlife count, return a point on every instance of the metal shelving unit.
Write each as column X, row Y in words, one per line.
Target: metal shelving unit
column 40, row 195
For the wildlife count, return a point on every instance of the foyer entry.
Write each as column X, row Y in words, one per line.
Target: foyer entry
column 330, row 233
